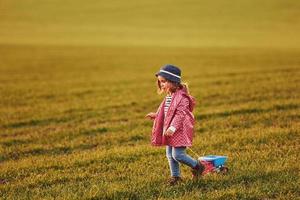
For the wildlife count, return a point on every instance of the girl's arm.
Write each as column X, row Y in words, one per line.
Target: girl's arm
column 181, row 110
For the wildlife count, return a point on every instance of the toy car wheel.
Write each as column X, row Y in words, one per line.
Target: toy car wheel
column 224, row 170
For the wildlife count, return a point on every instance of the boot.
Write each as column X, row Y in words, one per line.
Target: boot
column 198, row 170
column 174, row 180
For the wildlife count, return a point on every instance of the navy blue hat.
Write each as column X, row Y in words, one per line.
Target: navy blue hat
column 171, row 73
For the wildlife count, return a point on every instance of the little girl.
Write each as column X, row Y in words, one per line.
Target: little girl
column 174, row 122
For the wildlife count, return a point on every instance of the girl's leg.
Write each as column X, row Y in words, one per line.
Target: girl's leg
column 179, row 154
column 174, row 165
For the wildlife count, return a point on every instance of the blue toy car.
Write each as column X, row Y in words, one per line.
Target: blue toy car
column 214, row 163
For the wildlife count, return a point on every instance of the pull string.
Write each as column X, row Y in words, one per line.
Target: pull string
column 193, row 152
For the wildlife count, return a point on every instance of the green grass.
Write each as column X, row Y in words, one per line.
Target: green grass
column 73, row 127
column 77, row 78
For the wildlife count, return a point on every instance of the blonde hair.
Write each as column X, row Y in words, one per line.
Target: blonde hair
column 174, row 87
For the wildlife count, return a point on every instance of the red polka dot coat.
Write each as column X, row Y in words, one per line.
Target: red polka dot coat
column 180, row 116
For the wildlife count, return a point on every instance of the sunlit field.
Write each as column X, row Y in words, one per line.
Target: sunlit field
column 76, row 80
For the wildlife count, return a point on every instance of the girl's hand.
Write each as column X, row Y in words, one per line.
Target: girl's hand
column 151, row 115
column 168, row 133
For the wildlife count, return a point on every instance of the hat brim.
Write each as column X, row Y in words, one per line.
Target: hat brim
column 168, row 77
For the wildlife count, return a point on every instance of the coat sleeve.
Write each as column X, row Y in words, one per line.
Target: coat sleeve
column 180, row 113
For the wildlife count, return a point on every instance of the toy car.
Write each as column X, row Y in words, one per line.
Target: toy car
column 214, row 164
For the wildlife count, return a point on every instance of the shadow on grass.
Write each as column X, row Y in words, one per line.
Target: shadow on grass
column 16, row 155
column 149, row 190
column 45, row 184
column 268, row 183
column 93, row 132
column 248, row 111
column 70, row 115
column 78, row 115
column 15, row 142
column 89, row 135
column 38, row 122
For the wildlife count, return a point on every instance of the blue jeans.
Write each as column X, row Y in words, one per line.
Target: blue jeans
column 178, row 155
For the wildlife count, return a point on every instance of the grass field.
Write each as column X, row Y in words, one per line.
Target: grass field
column 76, row 81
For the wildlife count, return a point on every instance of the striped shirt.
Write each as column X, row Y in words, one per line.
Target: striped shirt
column 167, row 103
column 166, row 108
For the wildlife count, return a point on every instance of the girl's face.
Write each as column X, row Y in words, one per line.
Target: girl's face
column 165, row 85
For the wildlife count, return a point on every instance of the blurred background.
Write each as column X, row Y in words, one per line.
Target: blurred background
column 173, row 23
